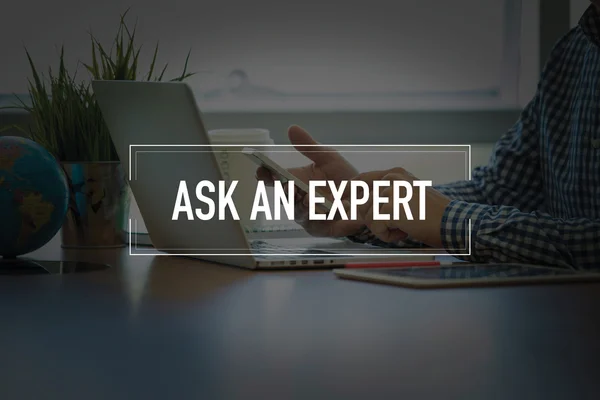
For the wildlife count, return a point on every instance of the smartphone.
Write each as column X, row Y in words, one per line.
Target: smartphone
column 261, row 159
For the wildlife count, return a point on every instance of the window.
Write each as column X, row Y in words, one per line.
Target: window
column 269, row 55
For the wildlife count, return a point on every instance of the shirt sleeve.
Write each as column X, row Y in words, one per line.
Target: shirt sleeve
column 498, row 216
column 512, row 176
column 507, row 234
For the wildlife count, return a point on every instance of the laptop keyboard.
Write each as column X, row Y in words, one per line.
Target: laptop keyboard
column 263, row 247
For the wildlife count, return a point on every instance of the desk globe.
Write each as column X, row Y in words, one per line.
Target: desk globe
column 34, row 196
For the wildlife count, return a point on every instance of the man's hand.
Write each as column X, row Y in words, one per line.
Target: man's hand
column 327, row 164
column 391, row 231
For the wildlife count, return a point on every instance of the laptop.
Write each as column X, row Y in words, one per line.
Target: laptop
column 159, row 135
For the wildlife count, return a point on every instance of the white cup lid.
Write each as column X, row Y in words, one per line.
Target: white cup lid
column 240, row 136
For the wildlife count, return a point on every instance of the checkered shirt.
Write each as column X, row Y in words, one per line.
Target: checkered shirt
column 538, row 199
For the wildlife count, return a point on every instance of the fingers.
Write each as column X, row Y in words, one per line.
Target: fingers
column 397, row 173
column 334, row 229
column 304, row 173
column 327, row 228
column 386, row 233
column 342, row 228
column 337, row 228
column 385, row 229
column 263, row 174
column 383, row 192
column 303, row 202
column 390, row 175
column 309, row 147
column 368, row 178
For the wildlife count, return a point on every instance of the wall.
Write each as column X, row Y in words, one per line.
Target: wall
column 577, row 7
column 346, row 55
column 10, row 118
column 448, row 127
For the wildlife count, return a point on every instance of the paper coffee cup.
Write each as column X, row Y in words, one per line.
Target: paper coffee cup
column 235, row 166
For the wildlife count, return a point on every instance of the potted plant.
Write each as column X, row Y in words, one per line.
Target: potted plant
column 66, row 119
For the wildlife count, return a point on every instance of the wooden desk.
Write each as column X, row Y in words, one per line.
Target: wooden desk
column 170, row 328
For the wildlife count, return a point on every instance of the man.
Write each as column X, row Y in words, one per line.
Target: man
column 538, row 199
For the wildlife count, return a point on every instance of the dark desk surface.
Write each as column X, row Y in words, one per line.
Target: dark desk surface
column 172, row 328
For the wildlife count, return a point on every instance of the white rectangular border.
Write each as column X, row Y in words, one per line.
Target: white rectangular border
column 409, row 253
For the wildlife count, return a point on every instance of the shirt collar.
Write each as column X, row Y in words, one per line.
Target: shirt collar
column 590, row 24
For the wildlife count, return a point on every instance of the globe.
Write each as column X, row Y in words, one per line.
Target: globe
column 34, row 196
